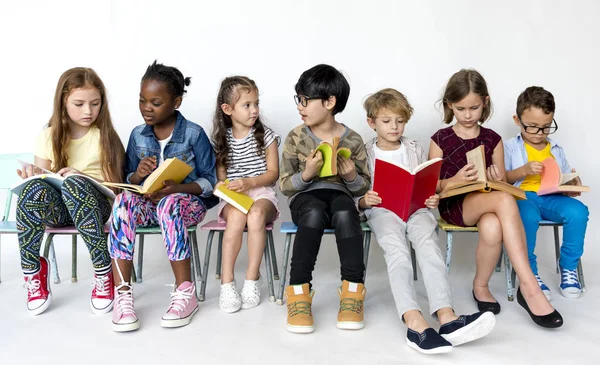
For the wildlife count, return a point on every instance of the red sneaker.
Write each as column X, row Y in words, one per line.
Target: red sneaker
column 103, row 294
column 39, row 295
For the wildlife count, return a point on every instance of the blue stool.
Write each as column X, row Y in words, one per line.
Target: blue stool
column 290, row 229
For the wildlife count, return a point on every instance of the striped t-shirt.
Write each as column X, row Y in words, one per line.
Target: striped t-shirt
column 243, row 160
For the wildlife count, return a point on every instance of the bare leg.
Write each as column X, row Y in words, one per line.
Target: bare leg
column 504, row 206
column 261, row 213
column 232, row 241
column 125, row 266
column 488, row 251
column 181, row 270
column 415, row 321
column 446, row 315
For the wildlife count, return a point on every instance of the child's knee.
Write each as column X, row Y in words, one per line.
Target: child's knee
column 256, row 218
column 490, row 228
column 577, row 212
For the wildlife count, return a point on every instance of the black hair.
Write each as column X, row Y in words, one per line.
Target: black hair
column 169, row 75
column 535, row 97
column 324, row 81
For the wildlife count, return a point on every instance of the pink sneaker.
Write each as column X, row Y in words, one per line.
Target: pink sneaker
column 183, row 306
column 103, row 294
column 39, row 295
column 123, row 317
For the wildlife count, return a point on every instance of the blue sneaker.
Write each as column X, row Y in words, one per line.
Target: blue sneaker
column 428, row 342
column 544, row 288
column 569, row 284
column 468, row 328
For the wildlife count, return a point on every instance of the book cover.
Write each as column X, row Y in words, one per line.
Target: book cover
column 477, row 157
column 554, row 181
column 172, row 169
column 404, row 191
column 240, row 201
column 330, row 151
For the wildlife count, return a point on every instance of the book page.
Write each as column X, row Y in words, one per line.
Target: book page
column 477, row 157
column 425, row 164
column 565, row 178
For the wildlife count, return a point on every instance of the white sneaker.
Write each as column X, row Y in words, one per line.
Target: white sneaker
column 251, row 293
column 229, row 299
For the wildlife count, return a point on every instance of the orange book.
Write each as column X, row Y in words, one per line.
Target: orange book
column 554, row 181
column 330, row 151
column 477, row 157
column 402, row 190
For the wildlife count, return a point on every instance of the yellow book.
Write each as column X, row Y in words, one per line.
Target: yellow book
column 477, row 157
column 172, row 169
column 240, row 201
column 330, row 151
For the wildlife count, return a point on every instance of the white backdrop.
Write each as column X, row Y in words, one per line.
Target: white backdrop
column 413, row 46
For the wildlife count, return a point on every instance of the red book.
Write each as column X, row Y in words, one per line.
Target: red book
column 404, row 191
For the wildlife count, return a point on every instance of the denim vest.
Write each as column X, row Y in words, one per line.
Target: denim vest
column 189, row 143
column 515, row 155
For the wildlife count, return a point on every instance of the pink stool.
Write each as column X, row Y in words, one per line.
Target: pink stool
column 270, row 258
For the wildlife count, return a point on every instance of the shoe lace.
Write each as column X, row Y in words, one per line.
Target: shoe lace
column 539, row 280
column 102, row 285
column 351, row 304
column 300, row 307
column 179, row 300
column 569, row 277
column 124, row 300
column 33, row 287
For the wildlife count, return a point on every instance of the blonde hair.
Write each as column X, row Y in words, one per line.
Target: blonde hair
column 390, row 99
column 111, row 148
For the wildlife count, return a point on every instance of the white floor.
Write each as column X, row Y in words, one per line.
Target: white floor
column 69, row 333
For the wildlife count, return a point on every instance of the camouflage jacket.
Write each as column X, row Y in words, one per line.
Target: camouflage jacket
column 299, row 144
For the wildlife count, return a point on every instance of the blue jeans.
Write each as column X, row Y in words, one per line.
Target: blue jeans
column 572, row 213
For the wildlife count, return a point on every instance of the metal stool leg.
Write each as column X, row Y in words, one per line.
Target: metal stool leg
column 556, row 247
column 195, row 265
column 580, row 274
column 206, row 263
column 219, row 256
column 269, row 271
column 140, row 264
column 413, row 259
column 510, row 284
column 271, row 244
column 499, row 263
column 449, row 238
column 74, row 258
column 286, row 257
column 366, row 250
column 50, row 254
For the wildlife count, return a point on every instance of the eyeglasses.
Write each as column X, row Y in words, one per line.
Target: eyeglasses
column 301, row 99
column 531, row 129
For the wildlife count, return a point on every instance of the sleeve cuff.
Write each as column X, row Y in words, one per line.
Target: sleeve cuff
column 128, row 178
column 206, row 186
column 298, row 183
column 355, row 184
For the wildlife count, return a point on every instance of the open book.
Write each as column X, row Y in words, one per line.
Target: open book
column 554, row 181
column 477, row 157
column 240, row 201
column 404, row 191
column 172, row 169
column 330, row 151
column 56, row 181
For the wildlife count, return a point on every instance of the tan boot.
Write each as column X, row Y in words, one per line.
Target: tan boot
column 352, row 296
column 299, row 302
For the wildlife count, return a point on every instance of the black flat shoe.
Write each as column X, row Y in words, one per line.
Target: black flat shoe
column 551, row 320
column 493, row 307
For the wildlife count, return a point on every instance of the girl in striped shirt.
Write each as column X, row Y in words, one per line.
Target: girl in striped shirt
column 248, row 159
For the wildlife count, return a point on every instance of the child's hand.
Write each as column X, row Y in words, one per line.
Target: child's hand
column 314, row 162
column 147, row 164
column 240, row 185
column 68, row 171
column 219, row 183
column 346, row 168
column 28, row 171
column 170, row 188
column 466, row 174
column 493, row 173
column 432, row 202
column 534, row 168
column 371, row 199
column 575, row 181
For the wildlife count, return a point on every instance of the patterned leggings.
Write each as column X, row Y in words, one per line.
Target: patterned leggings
column 78, row 203
column 173, row 214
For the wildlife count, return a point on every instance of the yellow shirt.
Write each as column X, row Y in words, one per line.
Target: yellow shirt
column 532, row 182
column 84, row 153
